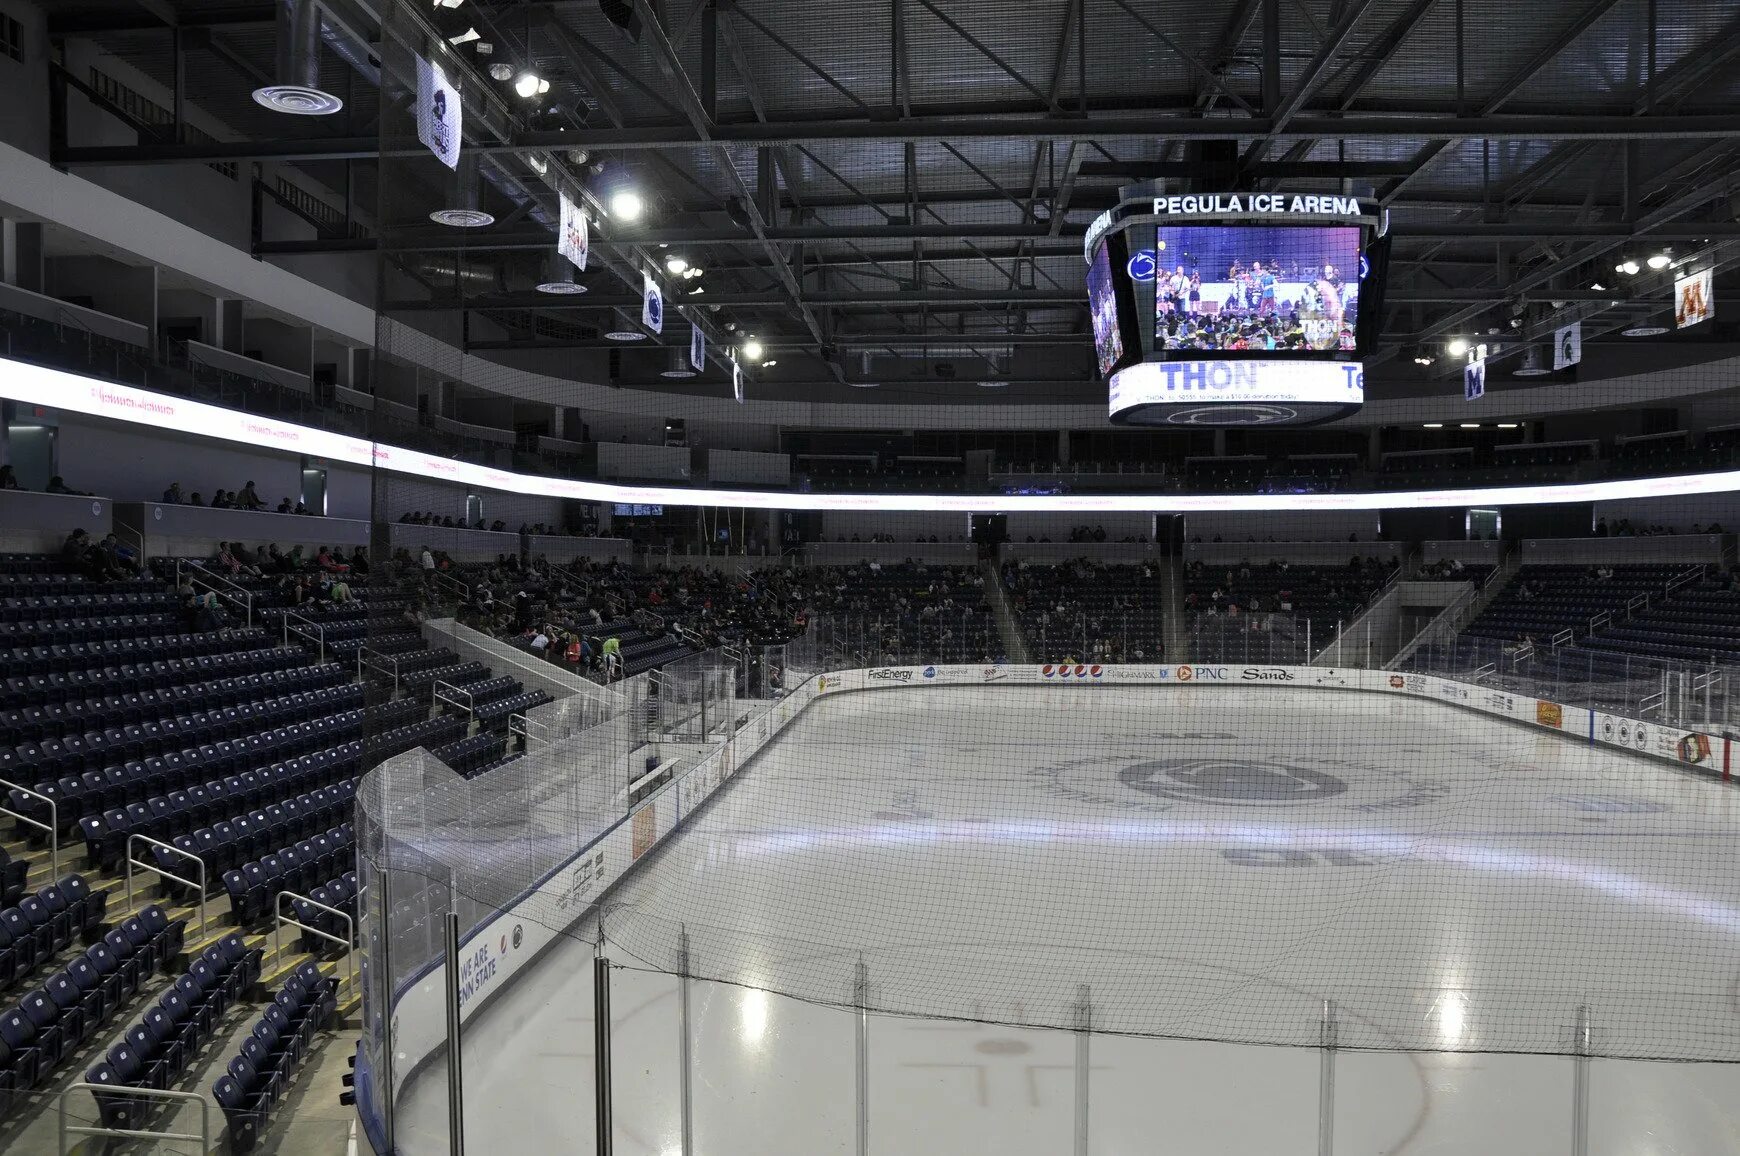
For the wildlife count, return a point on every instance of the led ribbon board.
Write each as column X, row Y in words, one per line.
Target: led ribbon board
column 71, row 393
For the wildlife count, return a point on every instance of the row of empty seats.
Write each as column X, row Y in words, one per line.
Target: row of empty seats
column 258, row 1077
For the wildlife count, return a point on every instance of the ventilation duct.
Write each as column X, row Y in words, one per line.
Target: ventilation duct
column 1531, row 364
column 558, row 277
column 465, row 211
column 678, row 367
column 298, row 90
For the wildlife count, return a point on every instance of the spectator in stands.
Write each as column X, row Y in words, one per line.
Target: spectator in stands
column 301, row 509
column 328, row 563
column 612, row 655
column 110, row 561
column 285, row 506
column 359, row 561
column 72, row 551
column 172, row 496
column 339, row 590
column 427, row 562
column 1601, row 528
column 58, row 486
column 220, row 500
column 248, row 499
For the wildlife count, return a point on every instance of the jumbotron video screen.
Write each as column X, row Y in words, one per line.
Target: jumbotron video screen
column 1250, row 288
column 1235, row 309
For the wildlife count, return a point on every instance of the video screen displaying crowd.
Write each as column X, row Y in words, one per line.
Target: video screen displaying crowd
column 1257, row 289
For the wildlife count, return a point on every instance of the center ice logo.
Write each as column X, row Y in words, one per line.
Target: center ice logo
column 1231, row 781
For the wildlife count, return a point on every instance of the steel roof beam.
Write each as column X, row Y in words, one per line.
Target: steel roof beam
column 642, row 137
column 1615, row 231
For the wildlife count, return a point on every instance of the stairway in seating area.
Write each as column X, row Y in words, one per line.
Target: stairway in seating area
column 113, row 1003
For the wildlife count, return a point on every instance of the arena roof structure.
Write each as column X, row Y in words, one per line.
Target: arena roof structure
column 895, row 193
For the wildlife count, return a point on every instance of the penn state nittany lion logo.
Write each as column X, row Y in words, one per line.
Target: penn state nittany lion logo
column 1235, row 781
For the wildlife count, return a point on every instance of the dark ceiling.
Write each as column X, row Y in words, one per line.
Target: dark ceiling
column 898, row 189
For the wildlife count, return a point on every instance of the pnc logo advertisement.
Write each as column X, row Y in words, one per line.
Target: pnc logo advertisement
column 1201, row 674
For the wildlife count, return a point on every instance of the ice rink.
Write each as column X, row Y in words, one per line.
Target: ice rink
column 1208, row 866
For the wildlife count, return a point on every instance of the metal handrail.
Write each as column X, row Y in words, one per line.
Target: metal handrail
column 221, row 586
column 162, row 874
column 66, row 1129
column 309, row 629
column 349, row 944
column 52, row 826
column 469, row 705
column 1563, row 638
column 372, row 659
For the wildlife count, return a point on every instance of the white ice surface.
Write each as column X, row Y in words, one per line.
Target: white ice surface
column 1448, row 882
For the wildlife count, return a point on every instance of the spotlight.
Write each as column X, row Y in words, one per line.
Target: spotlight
column 627, row 205
column 691, row 273
column 1628, row 266
column 1434, row 425
column 1597, row 286
column 769, row 363
column 1458, row 346
column 676, row 266
column 1660, row 261
column 501, row 71
column 529, row 84
column 752, row 349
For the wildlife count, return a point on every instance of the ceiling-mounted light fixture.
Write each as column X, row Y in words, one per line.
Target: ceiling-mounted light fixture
column 1434, row 425
column 528, row 85
column 455, row 26
column 752, row 349
column 466, row 211
column 1660, row 261
column 769, row 363
column 1643, row 329
column 297, row 91
column 626, row 205
column 501, row 71
column 1629, row 267
column 558, row 279
column 676, row 265
column 1457, row 346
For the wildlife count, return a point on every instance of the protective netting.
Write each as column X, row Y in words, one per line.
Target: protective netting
column 1445, row 778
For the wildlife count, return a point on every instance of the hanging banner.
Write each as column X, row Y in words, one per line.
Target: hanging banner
column 1568, row 346
column 652, row 304
column 1473, row 380
column 736, row 380
column 1694, row 298
column 438, row 117
column 697, row 348
column 575, row 239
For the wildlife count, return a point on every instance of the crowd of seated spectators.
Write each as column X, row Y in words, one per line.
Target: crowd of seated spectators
column 101, row 560
column 1622, row 528
column 1085, row 611
column 1279, row 587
